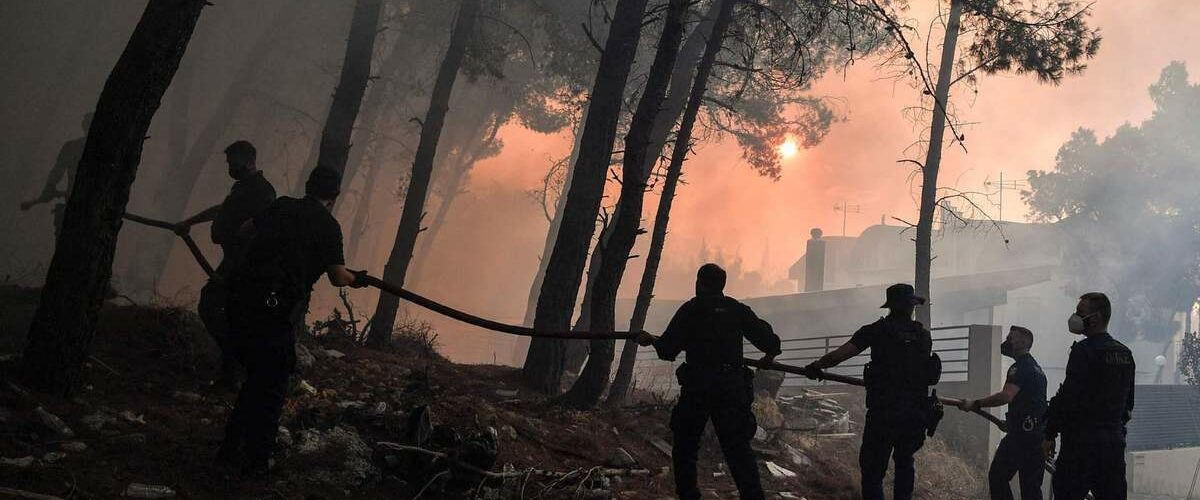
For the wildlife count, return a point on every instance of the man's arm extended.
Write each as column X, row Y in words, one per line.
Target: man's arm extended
column 1005, row 396
column 836, row 357
column 205, row 215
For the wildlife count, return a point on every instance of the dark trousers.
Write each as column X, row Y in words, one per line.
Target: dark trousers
column 1098, row 467
column 213, row 298
column 887, row 437
column 727, row 401
column 267, row 348
column 1018, row 453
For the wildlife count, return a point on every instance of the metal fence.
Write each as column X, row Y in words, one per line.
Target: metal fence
column 949, row 342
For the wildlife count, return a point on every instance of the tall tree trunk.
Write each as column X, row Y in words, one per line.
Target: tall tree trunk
column 556, row 300
column 62, row 328
column 614, row 251
column 174, row 189
column 690, row 54
column 362, row 208
column 641, row 308
column 672, row 107
column 933, row 160
column 555, row 222
column 377, row 101
column 352, row 85
column 418, row 186
column 467, row 158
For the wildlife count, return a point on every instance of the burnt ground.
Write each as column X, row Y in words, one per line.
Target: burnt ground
column 160, row 423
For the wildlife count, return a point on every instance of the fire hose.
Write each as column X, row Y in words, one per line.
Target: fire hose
column 524, row 331
column 187, row 239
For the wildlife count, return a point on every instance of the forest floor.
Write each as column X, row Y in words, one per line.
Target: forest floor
column 145, row 414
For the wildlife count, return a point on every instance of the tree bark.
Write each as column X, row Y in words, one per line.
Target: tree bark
column 672, row 108
column 933, row 160
column 624, row 379
column 626, row 225
column 481, row 139
column 352, row 85
column 174, row 189
column 62, row 329
column 418, row 187
column 556, row 300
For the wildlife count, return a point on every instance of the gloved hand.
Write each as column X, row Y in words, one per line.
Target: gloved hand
column 360, row 279
column 645, row 339
column 812, row 372
column 1048, row 450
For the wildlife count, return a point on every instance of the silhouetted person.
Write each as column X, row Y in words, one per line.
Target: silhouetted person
column 713, row 382
column 295, row 241
column 1024, row 392
column 64, row 169
column 899, row 408
column 251, row 193
column 1091, row 408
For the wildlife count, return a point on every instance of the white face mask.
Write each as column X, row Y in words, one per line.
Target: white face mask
column 1075, row 324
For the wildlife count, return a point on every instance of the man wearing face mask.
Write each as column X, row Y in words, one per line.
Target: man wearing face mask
column 899, row 407
column 1025, row 394
column 250, row 194
column 295, row 241
column 1091, row 409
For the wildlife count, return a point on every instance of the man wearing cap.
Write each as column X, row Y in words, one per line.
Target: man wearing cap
column 251, row 193
column 713, row 383
column 295, row 241
column 1025, row 394
column 898, row 377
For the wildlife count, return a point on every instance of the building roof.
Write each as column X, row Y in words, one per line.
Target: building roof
column 1165, row 417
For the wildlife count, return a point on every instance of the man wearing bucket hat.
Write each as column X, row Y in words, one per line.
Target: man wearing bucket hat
column 899, row 407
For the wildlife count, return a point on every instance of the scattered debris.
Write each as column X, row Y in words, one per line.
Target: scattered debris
column 304, row 358
column 187, row 397
column 778, row 471
column 73, row 446
column 507, row 393
column 621, row 458
column 336, row 457
column 306, row 388
column 130, row 417
column 334, row 354
column 15, row 493
column 139, row 490
column 660, row 445
column 97, row 421
column 21, row 463
column 52, row 422
column 53, row 456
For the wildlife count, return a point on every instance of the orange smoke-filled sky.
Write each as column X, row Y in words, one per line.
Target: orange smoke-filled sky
column 1017, row 125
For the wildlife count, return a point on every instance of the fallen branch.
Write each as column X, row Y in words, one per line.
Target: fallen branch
column 603, row 471
column 15, row 493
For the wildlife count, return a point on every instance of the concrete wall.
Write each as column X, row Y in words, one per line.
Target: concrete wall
column 1162, row 472
column 975, row 437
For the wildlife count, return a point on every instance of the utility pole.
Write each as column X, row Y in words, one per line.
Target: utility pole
column 846, row 209
column 1002, row 185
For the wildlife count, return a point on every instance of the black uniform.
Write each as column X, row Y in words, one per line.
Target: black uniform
column 898, row 379
column 65, row 165
column 714, row 383
column 248, row 197
column 296, row 240
column 1090, row 411
column 1021, row 449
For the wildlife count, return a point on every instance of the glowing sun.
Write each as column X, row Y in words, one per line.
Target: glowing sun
column 788, row 149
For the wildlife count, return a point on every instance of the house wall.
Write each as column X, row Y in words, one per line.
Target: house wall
column 1162, row 472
